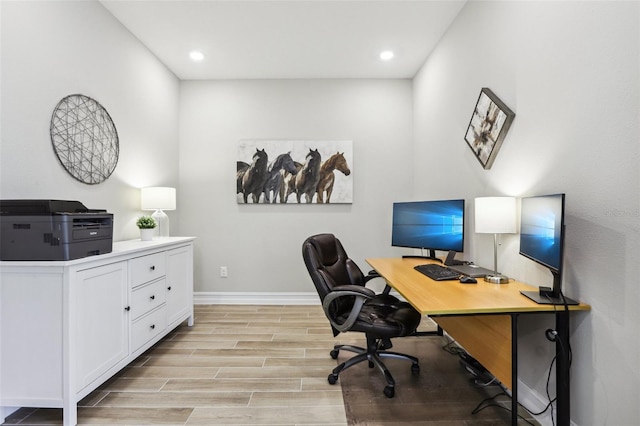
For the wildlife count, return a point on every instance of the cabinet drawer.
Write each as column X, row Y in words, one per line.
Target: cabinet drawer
column 147, row 268
column 148, row 327
column 148, row 297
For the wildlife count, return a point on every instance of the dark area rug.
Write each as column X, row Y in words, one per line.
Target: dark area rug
column 444, row 393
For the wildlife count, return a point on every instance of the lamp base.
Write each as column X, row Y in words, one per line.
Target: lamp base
column 162, row 220
column 496, row 279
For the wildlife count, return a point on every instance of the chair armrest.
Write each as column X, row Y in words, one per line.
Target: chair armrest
column 360, row 290
column 371, row 275
column 362, row 294
column 374, row 274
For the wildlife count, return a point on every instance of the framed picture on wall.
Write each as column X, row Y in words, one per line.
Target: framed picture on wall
column 488, row 127
column 294, row 172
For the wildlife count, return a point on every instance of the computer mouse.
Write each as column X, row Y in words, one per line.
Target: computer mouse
column 465, row 279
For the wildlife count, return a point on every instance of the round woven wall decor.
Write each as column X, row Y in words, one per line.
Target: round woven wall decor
column 84, row 138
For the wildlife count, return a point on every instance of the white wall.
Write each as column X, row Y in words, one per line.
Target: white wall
column 54, row 49
column 570, row 72
column 261, row 244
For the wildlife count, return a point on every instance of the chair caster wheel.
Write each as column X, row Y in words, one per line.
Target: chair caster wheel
column 415, row 369
column 389, row 391
column 333, row 378
column 334, row 354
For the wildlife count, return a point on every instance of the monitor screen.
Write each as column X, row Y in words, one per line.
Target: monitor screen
column 541, row 230
column 433, row 225
column 542, row 240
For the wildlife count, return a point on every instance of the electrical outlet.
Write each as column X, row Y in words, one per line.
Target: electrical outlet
column 223, row 272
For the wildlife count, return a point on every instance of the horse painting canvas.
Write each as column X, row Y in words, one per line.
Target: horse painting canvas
column 294, row 172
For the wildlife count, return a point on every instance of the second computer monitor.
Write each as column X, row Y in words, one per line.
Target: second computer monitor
column 429, row 225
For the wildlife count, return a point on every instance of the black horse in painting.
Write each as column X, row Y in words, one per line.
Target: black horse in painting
column 253, row 178
column 308, row 177
column 274, row 181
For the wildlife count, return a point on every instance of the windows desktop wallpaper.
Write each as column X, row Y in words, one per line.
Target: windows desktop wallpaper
column 541, row 230
column 429, row 225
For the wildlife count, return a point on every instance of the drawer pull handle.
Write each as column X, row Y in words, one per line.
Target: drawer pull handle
column 128, row 308
column 153, row 268
column 153, row 326
column 152, row 297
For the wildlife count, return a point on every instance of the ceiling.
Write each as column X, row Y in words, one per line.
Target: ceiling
column 258, row 39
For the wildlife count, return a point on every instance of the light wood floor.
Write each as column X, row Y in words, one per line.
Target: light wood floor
column 249, row 365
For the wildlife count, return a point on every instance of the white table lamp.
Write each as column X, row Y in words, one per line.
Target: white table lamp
column 159, row 198
column 495, row 215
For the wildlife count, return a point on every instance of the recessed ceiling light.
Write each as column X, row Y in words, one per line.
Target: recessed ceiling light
column 386, row 55
column 196, row 56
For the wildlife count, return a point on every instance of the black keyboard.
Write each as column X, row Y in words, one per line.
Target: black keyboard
column 437, row 272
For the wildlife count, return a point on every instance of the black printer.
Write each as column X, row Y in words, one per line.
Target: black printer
column 53, row 230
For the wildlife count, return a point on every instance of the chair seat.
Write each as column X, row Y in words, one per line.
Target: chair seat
column 386, row 320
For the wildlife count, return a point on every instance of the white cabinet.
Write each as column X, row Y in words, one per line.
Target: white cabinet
column 68, row 326
column 102, row 322
column 179, row 292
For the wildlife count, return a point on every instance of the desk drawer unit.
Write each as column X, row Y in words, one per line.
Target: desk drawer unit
column 147, row 268
column 148, row 327
column 147, row 297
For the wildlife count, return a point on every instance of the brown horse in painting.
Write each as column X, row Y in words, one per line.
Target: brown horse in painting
column 242, row 168
column 327, row 178
column 288, row 186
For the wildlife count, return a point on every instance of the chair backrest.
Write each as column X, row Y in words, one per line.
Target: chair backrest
column 328, row 264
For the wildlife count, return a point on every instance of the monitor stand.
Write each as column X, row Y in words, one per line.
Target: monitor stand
column 431, row 256
column 450, row 260
column 548, row 299
column 409, row 256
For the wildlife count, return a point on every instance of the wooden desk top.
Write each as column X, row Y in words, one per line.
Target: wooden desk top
column 453, row 298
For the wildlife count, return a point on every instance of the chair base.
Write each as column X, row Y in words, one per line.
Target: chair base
column 374, row 355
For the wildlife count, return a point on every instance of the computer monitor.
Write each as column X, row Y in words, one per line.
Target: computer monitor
column 542, row 232
column 429, row 225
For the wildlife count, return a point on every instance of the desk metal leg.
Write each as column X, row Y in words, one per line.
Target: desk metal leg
column 514, row 369
column 562, row 368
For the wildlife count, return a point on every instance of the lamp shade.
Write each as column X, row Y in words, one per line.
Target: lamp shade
column 495, row 215
column 158, row 198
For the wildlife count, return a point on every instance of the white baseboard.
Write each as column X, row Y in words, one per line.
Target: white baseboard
column 535, row 402
column 6, row 412
column 253, row 298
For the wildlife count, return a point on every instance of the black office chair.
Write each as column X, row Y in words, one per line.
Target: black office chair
column 350, row 306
